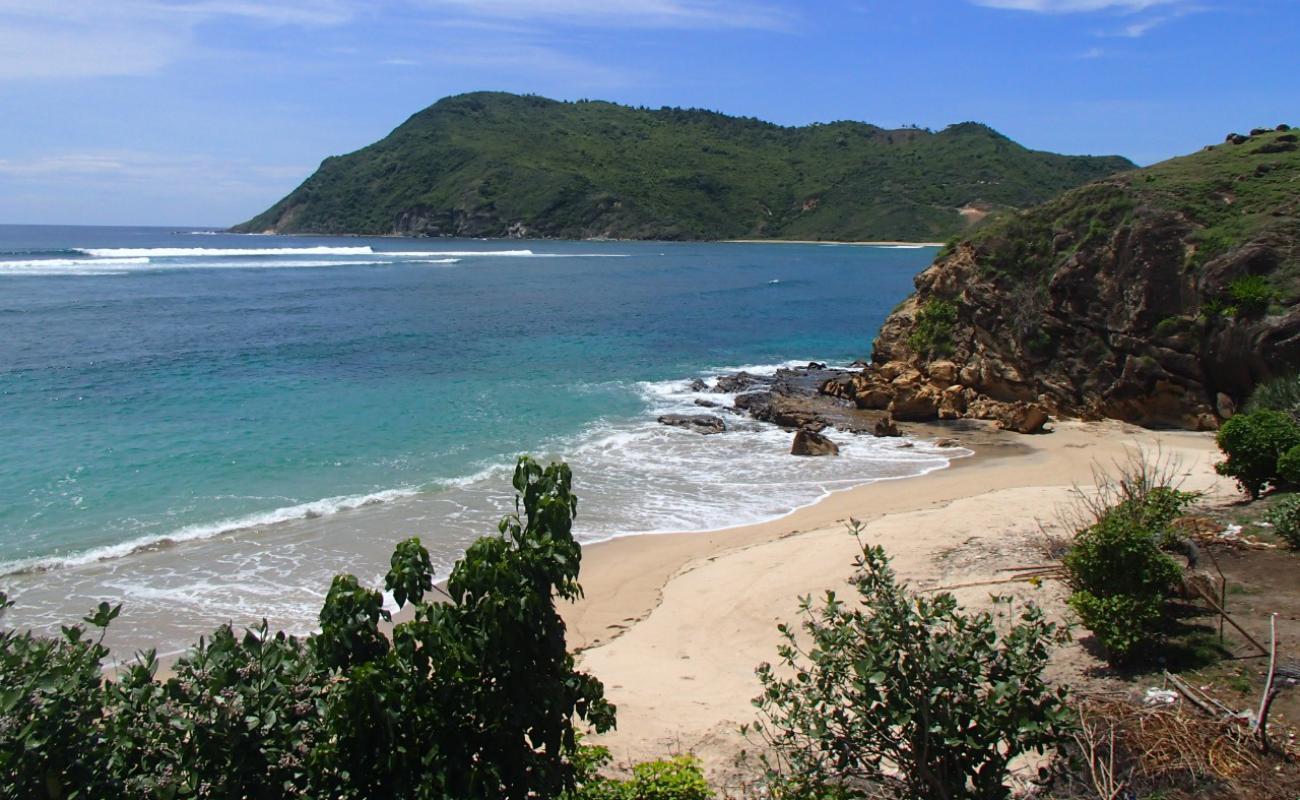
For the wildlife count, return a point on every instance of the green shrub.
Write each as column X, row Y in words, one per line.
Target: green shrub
column 476, row 696
column 1119, row 576
column 679, row 778
column 1285, row 517
column 1288, row 466
column 1279, row 394
column 932, row 330
column 1123, row 624
column 1253, row 444
column 905, row 695
column 1251, row 294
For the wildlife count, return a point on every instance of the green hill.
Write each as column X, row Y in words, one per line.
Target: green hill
column 491, row 164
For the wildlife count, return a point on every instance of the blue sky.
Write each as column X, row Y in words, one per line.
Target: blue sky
column 203, row 112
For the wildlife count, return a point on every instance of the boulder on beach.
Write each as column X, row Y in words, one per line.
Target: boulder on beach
column 811, row 443
column 1023, row 418
column 885, row 426
column 700, row 423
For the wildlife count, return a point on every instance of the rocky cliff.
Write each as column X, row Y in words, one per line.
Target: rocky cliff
column 1158, row 296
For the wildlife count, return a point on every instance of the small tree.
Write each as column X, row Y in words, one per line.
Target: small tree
column 906, row 682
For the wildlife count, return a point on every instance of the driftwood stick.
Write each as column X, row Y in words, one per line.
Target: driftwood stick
column 1266, row 702
column 1189, row 693
column 1224, row 614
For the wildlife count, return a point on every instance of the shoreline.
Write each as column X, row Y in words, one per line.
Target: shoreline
column 674, row 624
column 869, row 243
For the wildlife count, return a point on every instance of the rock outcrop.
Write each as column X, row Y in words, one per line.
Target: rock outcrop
column 700, row 423
column 1160, row 297
column 809, row 443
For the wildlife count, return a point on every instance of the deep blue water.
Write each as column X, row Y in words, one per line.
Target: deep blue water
column 152, row 393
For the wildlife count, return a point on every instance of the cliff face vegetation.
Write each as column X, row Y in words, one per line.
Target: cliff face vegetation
column 501, row 165
column 1159, row 296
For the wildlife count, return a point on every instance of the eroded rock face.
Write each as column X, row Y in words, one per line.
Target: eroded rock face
column 700, row 423
column 1101, row 304
column 810, row 443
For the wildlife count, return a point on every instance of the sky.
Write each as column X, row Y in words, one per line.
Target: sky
column 205, row 112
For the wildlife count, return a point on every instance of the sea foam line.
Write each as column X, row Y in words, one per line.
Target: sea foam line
column 201, row 252
column 310, row 510
column 73, row 262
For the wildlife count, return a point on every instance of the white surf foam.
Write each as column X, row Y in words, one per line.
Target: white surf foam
column 311, row 510
column 205, row 252
column 499, row 253
column 122, row 266
column 72, row 262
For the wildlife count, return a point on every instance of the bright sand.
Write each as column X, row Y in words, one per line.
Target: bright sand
column 675, row 624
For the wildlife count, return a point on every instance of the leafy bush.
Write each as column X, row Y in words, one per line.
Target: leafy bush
column 1120, row 580
column 1288, row 466
column 1253, row 444
column 1285, row 517
column 895, row 680
column 1118, row 574
column 1280, row 394
column 1251, row 294
column 932, row 330
column 474, row 698
column 679, row 778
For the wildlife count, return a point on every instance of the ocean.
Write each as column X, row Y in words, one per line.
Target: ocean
column 207, row 427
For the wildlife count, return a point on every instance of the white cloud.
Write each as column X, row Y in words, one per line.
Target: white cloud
column 53, row 39
column 122, row 187
column 148, row 168
column 631, row 13
column 1075, row 6
column 78, row 39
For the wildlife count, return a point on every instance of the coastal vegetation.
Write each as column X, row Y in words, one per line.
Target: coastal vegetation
column 475, row 696
column 1117, row 569
column 1261, row 448
column 496, row 165
column 899, row 694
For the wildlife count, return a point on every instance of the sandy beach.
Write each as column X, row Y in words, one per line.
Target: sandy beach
column 674, row 624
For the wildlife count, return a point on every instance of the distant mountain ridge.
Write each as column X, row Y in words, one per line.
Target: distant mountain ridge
column 502, row 165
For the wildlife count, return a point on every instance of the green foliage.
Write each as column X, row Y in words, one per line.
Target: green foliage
column 474, row 698
column 679, row 778
column 899, row 680
column 1279, row 394
column 932, row 331
column 1288, row 466
column 1285, row 517
column 1252, row 294
column 476, row 164
column 1253, row 443
column 1118, row 574
column 1229, row 195
column 51, row 708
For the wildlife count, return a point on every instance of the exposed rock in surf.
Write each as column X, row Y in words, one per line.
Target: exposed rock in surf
column 739, row 382
column 700, row 423
column 810, row 443
column 885, row 426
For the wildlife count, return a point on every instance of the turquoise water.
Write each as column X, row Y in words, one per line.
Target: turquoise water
column 180, row 388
